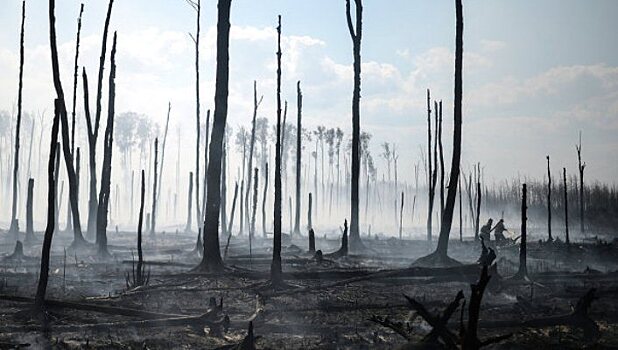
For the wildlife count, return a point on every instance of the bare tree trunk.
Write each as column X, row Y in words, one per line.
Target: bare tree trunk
column 460, row 212
column 106, row 172
column 264, row 199
column 441, row 157
column 160, row 182
column 39, row 299
column 14, row 223
column 523, row 269
column 311, row 241
column 299, row 129
column 276, row 275
column 477, row 223
column 566, row 208
column 401, row 217
column 356, row 35
column 196, row 40
column 211, row 260
column 189, row 202
column 153, row 215
column 205, row 181
column 430, row 183
column 549, row 238
column 224, row 186
column 231, row 225
column 309, row 223
column 256, row 104
column 29, row 227
column 581, row 166
column 140, row 257
column 93, row 130
column 255, row 198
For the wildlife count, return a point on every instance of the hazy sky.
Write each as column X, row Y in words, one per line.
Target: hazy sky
column 535, row 72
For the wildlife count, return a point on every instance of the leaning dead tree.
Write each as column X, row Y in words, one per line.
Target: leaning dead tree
column 161, row 166
column 78, row 239
column 106, row 171
column 356, row 33
column 138, row 276
column 549, row 237
column 14, row 223
column 299, row 130
column 39, row 299
column 93, row 130
column 276, row 275
column 211, row 260
column 581, row 166
column 440, row 256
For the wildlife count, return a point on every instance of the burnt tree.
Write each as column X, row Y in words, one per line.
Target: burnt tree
column 356, row 33
column 549, row 237
column 264, row 199
column 276, row 275
column 233, row 210
column 440, row 256
column 580, row 167
column 29, row 227
column 189, row 202
column 106, row 171
column 256, row 105
column 566, row 208
column 139, row 278
column 93, row 130
column 254, row 205
column 154, row 188
column 211, row 260
column 14, row 223
column 299, row 130
column 522, row 272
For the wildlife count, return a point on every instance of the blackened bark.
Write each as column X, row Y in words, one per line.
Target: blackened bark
column 430, row 181
column 106, row 171
column 205, row 181
column 75, row 75
column 309, row 222
column 549, row 238
column 224, row 186
column 311, row 241
column 299, row 129
column 14, row 224
column 566, row 208
column 477, row 222
column 140, row 257
column 447, row 217
column 189, row 202
column 29, row 227
column 197, row 6
column 276, row 275
column 523, row 268
column 356, row 35
column 441, row 157
column 255, row 198
column 39, row 299
column 153, row 215
column 264, row 199
column 401, row 217
column 231, row 224
column 93, row 130
column 256, row 104
column 581, row 166
column 211, row 261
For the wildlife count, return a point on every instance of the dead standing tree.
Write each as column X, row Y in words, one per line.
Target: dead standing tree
column 78, row 239
column 138, row 277
column 549, row 237
column 581, row 166
column 189, row 201
column 566, row 208
column 211, row 260
column 276, row 274
column 440, row 257
column 14, row 223
column 93, row 130
column 196, row 5
column 256, row 105
column 264, row 199
column 432, row 168
column 29, row 217
column 356, row 34
column 522, row 272
column 154, row 189
column 106, row 171
column 299, row 130
column 39, row 299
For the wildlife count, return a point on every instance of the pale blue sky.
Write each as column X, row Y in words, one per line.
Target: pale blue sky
column 536, row 72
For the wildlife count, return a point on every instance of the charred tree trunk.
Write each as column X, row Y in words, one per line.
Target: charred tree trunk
column 311, row 241
column 106, row 171
column 205, row 181
column 566, row 208
column 549, row 237
column 264, row 199
column 431, row 184
column 153, row 215
column 29, row 227
column 309, row 222
column 211, row 261
column 189, row 202
column 477, row 223
column 401, row 217
column 255, row 198
column 441, row 157
column 14, row 223
column 581, row 166
column 160, row 181
column 224, row 186
column 256, row 104
column 196, row 40
column 93, row 130
column 140, row 256
column 39, row 299
column 356, row 35
column 242, row 208
column 276, row 275
column 78, row 239
column 523, row 268
column 460, row 212
column 299, row 129
column 231, row 225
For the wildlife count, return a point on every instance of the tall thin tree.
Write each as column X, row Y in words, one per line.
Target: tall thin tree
column 356, row 33
column 276, row 275
column 299, row 129
column 211, row 260
column 581, row 166
column 549, row 237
